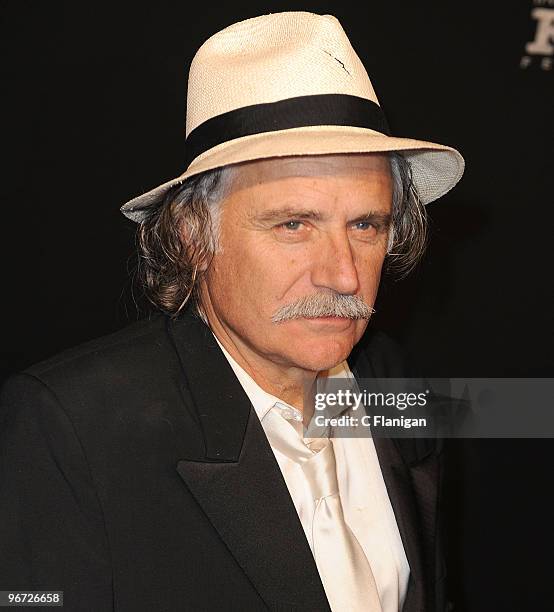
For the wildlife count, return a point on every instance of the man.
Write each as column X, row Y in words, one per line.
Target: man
column 164, row 467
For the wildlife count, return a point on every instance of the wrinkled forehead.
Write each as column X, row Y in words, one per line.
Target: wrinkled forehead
column 320, row 188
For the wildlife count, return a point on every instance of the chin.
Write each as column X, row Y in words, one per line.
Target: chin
column 321, row 354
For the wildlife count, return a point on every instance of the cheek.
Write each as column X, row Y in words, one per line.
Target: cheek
column 249, row 275
column 369, row 267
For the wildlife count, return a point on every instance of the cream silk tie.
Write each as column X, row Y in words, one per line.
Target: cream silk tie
column 344, row 570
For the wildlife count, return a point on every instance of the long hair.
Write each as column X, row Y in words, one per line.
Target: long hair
column 180, row 234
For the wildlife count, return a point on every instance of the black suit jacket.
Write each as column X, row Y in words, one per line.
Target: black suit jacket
column 135, row 476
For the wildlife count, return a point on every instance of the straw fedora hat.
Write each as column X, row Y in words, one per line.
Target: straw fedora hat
column 290, row 83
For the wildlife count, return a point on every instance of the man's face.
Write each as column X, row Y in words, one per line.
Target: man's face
column 293, row 227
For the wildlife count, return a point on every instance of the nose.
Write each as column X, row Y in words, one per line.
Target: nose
column 335, row 267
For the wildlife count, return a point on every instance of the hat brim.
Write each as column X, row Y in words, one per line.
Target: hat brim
column 436, row 168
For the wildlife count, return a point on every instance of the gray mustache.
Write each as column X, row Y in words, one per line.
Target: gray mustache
column 324, row 305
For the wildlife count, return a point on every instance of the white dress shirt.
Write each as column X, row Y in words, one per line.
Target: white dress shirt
column 364, row 498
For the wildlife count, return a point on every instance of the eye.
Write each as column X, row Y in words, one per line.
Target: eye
column 366, row 230
column 364, row 225
column 291, row 225
column 292, row 231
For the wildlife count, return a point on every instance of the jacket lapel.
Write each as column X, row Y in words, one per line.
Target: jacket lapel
column 397, row 479
column 238, row 482
column 406, row 472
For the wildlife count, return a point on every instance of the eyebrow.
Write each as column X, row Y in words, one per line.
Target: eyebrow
column 288, row 212
column 274, row 215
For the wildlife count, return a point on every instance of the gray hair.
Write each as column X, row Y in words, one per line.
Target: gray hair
column 179, row 235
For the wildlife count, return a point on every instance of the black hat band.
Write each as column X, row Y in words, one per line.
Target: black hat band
column 301, row 111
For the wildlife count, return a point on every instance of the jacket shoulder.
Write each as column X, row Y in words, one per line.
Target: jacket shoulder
column 132, row 348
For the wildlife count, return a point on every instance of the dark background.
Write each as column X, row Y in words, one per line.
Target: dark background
column 94, row 99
